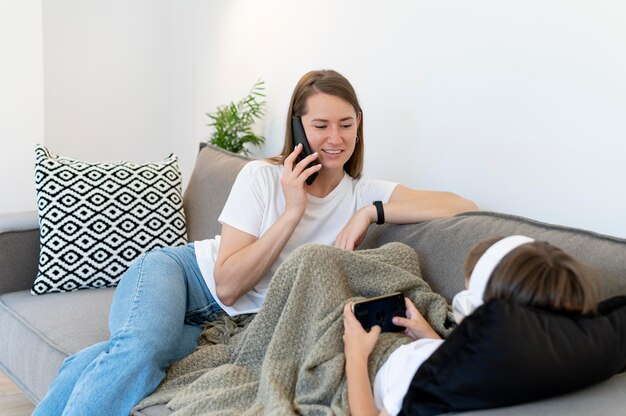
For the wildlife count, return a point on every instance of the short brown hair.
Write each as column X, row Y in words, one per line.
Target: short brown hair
column 326, row 82
column 538, row 274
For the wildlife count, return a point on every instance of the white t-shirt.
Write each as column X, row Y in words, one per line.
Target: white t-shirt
column 255, row 203
column 394, row 377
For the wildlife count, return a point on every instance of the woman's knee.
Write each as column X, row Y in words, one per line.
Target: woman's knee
column 153, row 263
column 166, row 255
column 151, row 295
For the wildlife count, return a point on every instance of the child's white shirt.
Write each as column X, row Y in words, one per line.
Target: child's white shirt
column 394, row 377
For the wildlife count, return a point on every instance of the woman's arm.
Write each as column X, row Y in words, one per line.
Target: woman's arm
column 358, row 345
column 408, row 205
column 405, row 206
column 243, row 260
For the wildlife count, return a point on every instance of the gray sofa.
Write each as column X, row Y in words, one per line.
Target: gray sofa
column 38, row 332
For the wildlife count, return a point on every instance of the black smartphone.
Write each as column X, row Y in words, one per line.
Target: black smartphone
column 299, row 137
column 379, row 311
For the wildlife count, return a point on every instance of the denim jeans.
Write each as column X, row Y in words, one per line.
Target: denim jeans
column 155, row 319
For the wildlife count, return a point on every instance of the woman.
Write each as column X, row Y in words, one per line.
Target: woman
column 516, row 269
column 167, row 293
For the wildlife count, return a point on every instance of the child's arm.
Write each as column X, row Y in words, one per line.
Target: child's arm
column 416, row 326
column 358, row 345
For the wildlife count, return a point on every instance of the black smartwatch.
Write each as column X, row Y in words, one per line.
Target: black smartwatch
column 380, row 212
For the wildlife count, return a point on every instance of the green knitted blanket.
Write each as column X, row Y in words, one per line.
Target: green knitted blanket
column 288, row 359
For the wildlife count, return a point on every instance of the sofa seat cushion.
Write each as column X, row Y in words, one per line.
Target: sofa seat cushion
column 606, row 399
column 39, row 332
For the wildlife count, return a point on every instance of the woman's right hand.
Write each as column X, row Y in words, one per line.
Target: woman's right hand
column 293, row 180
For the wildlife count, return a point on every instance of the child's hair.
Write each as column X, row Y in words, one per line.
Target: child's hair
column 538, row 274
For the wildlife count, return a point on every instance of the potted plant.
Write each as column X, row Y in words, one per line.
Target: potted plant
column 232, row 123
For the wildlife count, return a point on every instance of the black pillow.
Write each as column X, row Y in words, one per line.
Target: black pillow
column 505, row 354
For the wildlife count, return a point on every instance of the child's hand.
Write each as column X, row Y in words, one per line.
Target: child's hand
column 416, row 326
column 358, row 343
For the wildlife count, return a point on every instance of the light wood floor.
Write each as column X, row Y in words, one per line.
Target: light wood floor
column 12, row 401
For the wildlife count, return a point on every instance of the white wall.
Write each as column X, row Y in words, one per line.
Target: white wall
column 119, row 79
column 21, row 101
column 518, row 106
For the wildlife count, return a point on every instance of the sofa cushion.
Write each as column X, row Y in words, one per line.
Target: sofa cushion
column 504, row 354
column 443, row 244
column 96, row 218
column 213, row 175
column 39, row 332
column 19, row 250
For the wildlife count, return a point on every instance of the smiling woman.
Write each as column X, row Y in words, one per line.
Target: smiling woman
column 332, row 117
column 331, row 127
column 270, row 212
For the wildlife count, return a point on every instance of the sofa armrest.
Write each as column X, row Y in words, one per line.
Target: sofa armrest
column 19, row 250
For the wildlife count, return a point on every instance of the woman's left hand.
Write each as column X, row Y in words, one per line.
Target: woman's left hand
column 355, row 230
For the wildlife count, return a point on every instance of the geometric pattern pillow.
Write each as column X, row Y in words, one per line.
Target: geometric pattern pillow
column 96, row 218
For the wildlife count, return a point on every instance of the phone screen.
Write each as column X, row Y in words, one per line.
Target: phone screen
column 299, row 137
column 379, row 311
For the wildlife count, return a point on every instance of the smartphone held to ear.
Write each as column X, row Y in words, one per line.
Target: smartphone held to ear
column 299, row 137
column 380, row 311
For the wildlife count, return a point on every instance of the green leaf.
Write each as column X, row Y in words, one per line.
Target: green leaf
column 232, row 123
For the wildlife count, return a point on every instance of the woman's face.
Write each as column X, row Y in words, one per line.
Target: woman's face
column 331, row 125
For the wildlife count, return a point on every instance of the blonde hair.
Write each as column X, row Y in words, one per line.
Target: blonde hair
column 326, row 82
column 538, row 274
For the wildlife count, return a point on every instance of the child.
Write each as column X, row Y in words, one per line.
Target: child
column 516, row 269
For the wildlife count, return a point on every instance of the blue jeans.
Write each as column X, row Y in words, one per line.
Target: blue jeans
column 155, row 319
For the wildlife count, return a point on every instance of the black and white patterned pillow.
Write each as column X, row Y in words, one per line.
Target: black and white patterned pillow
column 96, row 218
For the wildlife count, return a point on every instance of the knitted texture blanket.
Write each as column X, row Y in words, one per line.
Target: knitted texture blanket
column 288, row 359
